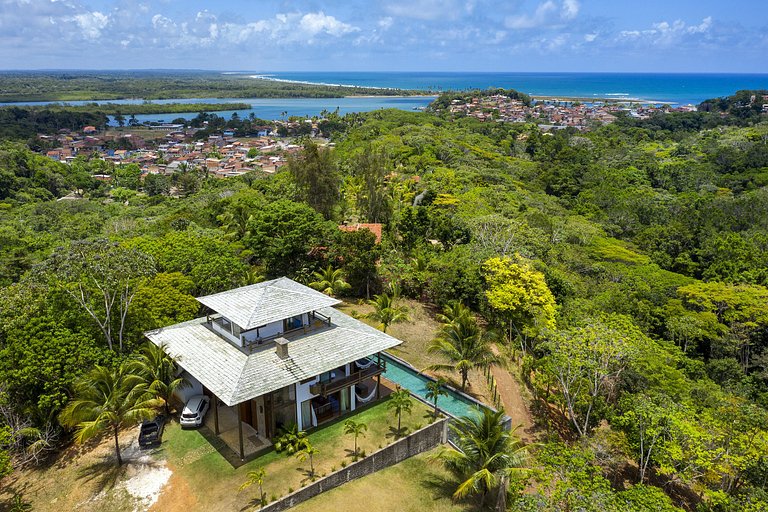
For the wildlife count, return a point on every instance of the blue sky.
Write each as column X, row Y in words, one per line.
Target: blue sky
column 387, row 35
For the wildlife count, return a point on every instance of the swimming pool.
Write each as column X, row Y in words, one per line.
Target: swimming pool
column 454, row 404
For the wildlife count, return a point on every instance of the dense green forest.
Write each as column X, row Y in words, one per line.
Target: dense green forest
column 625, row 269
column 128, row 109
column 24, row 123
column 115, row 85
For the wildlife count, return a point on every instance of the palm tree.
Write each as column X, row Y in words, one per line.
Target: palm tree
column 386, row 312
column 108, row 399
column 462, row 342
column 329, row 281
column 356, row 429
column 158, row 370
column 256, row 477
column 236, row 222
column 488, row 456
column 454, row 312
column 400, row 401
column 435, row 390
column 307, row 452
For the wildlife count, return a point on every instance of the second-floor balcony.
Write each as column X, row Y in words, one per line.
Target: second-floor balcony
column 372, row 369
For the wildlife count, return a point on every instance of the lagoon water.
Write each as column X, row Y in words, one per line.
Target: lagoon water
column 273, row 108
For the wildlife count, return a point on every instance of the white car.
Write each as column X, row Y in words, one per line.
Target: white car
column 194, row 411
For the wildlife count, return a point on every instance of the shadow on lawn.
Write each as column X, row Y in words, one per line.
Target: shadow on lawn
column 254, row 503
column 105, row 472
column 439, row 487
column 396, row 434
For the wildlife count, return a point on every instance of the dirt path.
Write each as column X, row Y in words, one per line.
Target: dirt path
column 177, row 496
column 514, row 404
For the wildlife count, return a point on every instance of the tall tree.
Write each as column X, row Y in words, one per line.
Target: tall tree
column 646, row 420
column 462, row 342
column 283, row 234
column 256, row 477
column 400, row 402
column 358, row 253
column 317, row 177
column 330, row 281
column 488, row 455
column 108, row 399
column 519, row 295
column 159, row 372
column 585, row 359
column 386, row 311
column 370, row 170
column 435, row 390
column 102, row 277
column 307, row 451
column 356, row 429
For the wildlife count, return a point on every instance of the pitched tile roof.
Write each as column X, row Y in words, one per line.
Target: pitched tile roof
column 259, row 304
column 235, row 374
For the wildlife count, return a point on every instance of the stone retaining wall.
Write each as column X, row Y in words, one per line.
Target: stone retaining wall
column 420, row 441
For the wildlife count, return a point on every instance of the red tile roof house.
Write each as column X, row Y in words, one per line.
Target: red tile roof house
column 275, row 353
column 374, row 228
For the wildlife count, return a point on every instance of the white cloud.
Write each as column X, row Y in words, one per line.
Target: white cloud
column 315, row 23
column 386, row 22
column 666, row 33
column 702, row 27
column 570, row 9
column 548, row 13
column 429, row 10
column 91, row 23
column 590, row 37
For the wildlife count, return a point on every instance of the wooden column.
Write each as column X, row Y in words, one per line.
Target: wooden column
column 215, row 415
column 378, row 377
column 240, row 430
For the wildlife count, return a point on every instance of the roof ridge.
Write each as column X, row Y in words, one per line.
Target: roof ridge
column 233, row 392
column 255, row 309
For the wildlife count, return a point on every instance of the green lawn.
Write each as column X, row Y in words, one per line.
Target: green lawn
column 215, row 483
column 416, row 484
column 88, row 479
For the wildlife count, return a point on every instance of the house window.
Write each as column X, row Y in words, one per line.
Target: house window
column 295, row 322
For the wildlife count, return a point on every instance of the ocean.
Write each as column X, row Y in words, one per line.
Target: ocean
column 683, row 88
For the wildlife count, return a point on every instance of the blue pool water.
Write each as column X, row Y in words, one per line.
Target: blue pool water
column 453, row 403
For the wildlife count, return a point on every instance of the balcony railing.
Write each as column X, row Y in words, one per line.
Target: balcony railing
column 331, row 386
column 316, row 321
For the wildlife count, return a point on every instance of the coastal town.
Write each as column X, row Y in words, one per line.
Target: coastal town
column 167, row 148
column 175, row 149
column 555, row 113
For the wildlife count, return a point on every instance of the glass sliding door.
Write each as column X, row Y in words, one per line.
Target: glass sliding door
column 306, row 414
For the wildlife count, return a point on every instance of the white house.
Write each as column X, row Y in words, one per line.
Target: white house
column 278, row 352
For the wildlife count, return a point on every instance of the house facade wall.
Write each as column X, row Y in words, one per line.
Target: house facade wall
column 195, row 388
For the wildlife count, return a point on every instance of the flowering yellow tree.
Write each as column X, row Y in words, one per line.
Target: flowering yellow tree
column 519, row 296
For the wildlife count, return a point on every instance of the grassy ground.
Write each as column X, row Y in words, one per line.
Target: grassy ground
column 198, row 477
column 417, row 333
column 215, row 483
column 416, row 484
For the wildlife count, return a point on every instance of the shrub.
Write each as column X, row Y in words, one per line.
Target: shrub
column 289, row 439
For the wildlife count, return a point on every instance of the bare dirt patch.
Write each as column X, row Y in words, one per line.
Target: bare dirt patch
column 87, row 478
column 177, row 496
